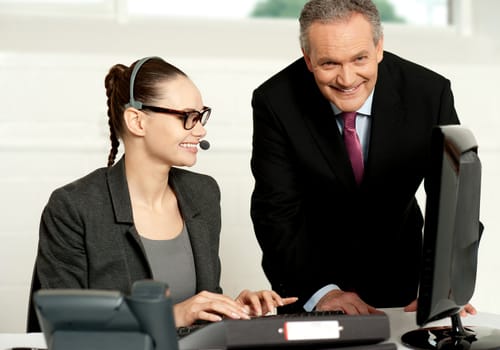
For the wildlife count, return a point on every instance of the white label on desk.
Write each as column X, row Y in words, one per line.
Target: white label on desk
column 310, row 330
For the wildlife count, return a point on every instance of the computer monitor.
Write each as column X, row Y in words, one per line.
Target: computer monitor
column 452, row 232
column 81, row 319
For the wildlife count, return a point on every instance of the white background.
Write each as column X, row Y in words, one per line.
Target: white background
column 53, row 125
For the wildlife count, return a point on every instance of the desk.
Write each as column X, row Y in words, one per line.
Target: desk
column 400, row 322
column 22, row 340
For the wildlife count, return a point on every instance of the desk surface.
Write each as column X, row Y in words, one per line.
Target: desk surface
column 400, row 323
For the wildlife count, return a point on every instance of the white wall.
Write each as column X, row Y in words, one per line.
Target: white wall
column 53, row 125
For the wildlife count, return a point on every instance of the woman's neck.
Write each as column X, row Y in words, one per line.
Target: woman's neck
column 147, row 182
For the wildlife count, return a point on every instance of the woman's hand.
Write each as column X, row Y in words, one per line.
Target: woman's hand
column 262, row 302
column 209, row 307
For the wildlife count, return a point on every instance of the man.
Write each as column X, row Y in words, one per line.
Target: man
column 343, row 234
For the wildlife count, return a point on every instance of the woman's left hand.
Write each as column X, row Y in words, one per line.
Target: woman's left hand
column 262, row 302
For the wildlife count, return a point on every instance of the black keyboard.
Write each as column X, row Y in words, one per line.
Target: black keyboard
column 186, row 330
column 302, row 330
column 306, row 314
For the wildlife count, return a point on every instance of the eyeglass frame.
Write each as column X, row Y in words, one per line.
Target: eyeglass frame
column 201, row 116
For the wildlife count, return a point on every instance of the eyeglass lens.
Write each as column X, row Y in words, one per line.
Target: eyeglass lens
column 195, row 116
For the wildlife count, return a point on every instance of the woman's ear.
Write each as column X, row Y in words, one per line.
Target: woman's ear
column 134, row 121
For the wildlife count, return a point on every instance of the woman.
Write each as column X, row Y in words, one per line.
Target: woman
column 144, row 217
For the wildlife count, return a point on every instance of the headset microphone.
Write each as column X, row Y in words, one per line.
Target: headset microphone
column 204, row 144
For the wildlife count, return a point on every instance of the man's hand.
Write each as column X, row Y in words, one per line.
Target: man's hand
column 348, row 302
column 411, row 306
column 467, row 309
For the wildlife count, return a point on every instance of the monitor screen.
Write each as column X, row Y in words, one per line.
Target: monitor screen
column 80, row 319
column 452, row 232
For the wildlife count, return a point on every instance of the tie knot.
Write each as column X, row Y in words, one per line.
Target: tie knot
column 349, row 119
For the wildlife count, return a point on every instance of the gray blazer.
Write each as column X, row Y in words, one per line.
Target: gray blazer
column 88, row 238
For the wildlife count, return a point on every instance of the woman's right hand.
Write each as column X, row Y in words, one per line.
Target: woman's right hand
column 209, row 307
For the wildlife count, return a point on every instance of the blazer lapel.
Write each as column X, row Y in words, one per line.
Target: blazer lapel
column 122, row 208
column 118, row 189
column 120, row 197
column 197, row 229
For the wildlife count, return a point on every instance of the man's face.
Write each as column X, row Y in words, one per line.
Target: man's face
column 344, row 60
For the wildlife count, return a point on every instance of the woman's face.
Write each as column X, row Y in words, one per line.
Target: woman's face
column 166, row 139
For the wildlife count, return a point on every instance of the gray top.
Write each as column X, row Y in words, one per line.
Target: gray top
column 172, row 262
column 88, row 239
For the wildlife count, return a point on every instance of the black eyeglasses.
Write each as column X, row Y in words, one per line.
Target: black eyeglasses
column 190, row 117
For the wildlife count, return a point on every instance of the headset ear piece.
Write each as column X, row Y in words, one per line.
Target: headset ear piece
column 134, row 104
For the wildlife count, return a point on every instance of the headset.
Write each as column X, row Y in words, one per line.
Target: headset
column 133, row 103
column 204, row 144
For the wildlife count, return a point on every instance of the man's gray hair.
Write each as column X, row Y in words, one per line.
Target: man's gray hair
column 327, row 11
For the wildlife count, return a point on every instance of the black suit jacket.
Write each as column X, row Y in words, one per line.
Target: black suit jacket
column 88, row 238
column 314, row 224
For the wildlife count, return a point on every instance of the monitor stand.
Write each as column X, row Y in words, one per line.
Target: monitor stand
column 454, row 337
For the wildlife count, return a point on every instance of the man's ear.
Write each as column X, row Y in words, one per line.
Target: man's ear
column 380, row 49
column 134, row 121
column 307, row 58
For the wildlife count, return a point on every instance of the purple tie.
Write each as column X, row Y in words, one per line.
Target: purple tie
column 353, row 145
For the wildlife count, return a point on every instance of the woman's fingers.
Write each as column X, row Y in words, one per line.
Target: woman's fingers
column 263, row 301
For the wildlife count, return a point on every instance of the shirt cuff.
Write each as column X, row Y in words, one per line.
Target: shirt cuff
column 311, row 303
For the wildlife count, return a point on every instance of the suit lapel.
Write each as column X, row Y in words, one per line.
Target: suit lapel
column 388, row 116
column 321, row 123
